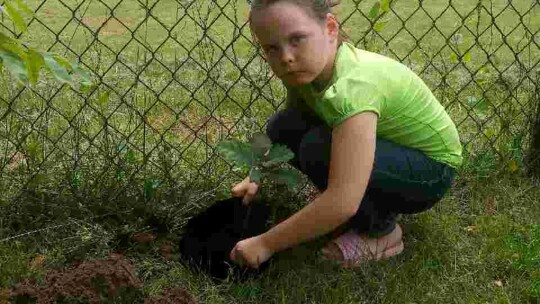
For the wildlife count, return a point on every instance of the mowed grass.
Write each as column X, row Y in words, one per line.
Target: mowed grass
column 171, row 86
column 183, row 75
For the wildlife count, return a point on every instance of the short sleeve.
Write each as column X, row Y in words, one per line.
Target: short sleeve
column 347, row 97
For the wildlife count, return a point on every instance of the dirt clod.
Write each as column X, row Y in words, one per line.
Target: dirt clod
column 4, row 296
column 166, row 250
column 116, row 271
column 311, row 193
column 144, row 238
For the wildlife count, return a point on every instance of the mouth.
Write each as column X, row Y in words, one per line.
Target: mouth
column 291, row 73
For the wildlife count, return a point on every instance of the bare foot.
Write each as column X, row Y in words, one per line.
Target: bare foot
column 352, row 248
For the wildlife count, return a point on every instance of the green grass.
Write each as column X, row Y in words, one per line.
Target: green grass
column 97, row 166
column 483, row 232
column 168, row 83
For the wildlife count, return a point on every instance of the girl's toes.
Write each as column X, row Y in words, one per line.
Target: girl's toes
column 332, row 252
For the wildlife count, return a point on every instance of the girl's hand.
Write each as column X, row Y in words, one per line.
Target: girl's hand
column 245, row 189
column 251, row 252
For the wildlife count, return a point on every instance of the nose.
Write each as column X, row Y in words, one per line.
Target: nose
column 287, row 56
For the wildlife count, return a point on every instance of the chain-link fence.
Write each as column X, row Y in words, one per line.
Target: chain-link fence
column 174, row 77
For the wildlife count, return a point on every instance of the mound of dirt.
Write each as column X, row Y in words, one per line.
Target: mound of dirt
column 116, row 271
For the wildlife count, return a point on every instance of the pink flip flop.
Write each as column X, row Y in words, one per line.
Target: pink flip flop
column 355, row 250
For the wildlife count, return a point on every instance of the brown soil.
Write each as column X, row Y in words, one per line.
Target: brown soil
column 112, row 27
column 144, row 237
column 116, row 271
column 166, row 250
column 37, row 262
column 16, row 160
column 175, row 295
column 311, row 193
column 4, row 296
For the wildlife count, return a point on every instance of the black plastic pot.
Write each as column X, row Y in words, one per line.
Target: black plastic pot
column 210, row 236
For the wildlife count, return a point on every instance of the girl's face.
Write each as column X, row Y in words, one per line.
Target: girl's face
column 299, row 48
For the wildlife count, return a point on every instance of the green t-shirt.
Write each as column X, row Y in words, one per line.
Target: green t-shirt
column 408, row 112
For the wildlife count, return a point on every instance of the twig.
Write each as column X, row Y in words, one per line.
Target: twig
column 33, row 232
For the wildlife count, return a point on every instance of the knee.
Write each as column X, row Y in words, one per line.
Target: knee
column 285, row 124
column 273, row 126
column 314, row 154
column 316, row 143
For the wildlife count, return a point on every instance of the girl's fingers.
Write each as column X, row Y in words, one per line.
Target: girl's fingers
column 239, row 190
column 232, row 255
column 250, row 193
column 236, row 256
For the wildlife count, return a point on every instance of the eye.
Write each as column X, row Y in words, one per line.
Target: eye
column 297, row 39
column 269, row 48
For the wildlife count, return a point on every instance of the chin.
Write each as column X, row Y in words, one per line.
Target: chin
column 297, row 81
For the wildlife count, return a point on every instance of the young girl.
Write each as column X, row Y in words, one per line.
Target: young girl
column 365, row 129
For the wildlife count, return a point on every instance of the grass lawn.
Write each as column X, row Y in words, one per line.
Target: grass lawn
column 480, row 244
column 172, row 85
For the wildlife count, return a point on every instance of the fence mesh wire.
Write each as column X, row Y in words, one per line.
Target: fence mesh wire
column 174, row 77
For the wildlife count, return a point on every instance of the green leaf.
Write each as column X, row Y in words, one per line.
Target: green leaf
column 34, row 62
column 380, row 25
column 513, row 166
column 37, row 179
column 76, row 179
column 14, row 64
column 121, row 174
column 22, row 5
column 278, row 154
column 472, row 101
column 260, row 143
column 481, row 106
column 121, row 147
column 12, row 45
column 33, row 149
column 15, row 16
column 4, row 39
column 467, row 57
column 255, row 175
column 59, row 72
column 490, row 133
column 289, row 177
column 374, row 12
column 150, row 185
column 237, row 152
column 103, row 99
column 86, row 80
column 64, row 62
column 385, row 5
column 130, row 156
column 453, row 57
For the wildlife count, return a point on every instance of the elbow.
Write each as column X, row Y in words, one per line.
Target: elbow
column 350, row 211
column 348, row 206
column 351, row 205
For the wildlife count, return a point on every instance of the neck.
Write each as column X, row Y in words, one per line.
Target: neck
column 325, row 77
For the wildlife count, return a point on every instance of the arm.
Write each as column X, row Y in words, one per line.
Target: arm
column 352, row 156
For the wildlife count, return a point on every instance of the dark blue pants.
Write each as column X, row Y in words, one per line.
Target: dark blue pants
column 403, row 180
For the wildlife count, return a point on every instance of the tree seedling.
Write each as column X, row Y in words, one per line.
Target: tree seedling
column 262, row 159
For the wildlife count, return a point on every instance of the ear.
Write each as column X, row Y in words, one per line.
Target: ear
column 332, row 26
